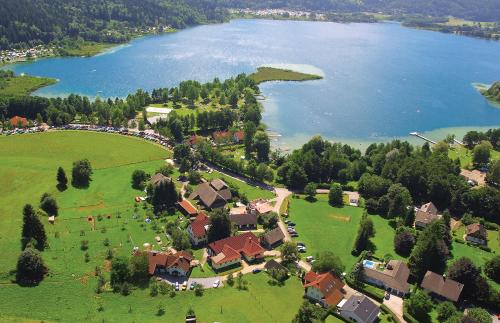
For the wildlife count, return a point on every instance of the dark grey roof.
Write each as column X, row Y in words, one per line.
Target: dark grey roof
column 243, row 219
column 362, row 307
column 273, row 264
column 159, row 178
column 218, row 184
column 207, row 195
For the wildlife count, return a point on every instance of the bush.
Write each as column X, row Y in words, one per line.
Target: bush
column 485, row 248
column 199, row 289
column 84, row 245
column 458, row 240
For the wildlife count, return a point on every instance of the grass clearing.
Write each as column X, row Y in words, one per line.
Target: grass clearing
column 265, row 74
column 325, row 228
column 252, row 192
column 24, row 85
column 465, row 156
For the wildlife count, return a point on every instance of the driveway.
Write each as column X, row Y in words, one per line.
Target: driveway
column 395, row 304
column 281, row 194
column 205, row 282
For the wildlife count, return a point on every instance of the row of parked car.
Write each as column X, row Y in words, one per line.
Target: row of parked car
column 21, row 131
column 291, row 229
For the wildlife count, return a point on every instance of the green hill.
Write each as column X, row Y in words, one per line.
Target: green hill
column 493, row 92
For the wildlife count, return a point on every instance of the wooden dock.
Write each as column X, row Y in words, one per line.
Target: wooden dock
column 416, row 134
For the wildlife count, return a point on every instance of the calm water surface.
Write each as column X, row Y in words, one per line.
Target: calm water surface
column 381, row 80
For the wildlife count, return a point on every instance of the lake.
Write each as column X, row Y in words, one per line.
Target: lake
column 380, row 80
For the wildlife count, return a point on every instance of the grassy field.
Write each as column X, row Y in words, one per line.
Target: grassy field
column 86, row 49
column 465, row 155
column 452, row 21
column 325, row 228
column 28, row 165
column 265, row 74
column 24, row 85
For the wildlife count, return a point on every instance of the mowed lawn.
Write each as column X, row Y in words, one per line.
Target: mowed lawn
column 325, row 228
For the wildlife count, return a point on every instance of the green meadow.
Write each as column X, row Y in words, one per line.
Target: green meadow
column 28, row 165
column 24, row 85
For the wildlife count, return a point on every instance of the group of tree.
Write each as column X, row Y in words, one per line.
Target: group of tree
column 366, row 230
column 31, row 268
column 81, row 173
column 163, row 195
column 63, row 23
column 392, row 177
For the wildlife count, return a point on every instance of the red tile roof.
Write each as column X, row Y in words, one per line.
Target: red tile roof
column 329, row 285
column 187, row 207
column 226, row 255
column 239, row 135
column 14, row 121
column 246, row 243
column 198, row 225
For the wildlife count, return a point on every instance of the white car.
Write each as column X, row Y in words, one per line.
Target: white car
column 309, row 258
column 216, row 283
column 176, row 285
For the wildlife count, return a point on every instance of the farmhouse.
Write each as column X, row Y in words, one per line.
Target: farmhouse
column 212, row 195
column 230, row 251
column 272, row 239
column 186, row 208
column 360, row 309
column 225, row 137
column 474, row 177
column 441, row 287
column 244, row 221
column 197, row 229
column 325, row 289
column 175, row 264
column 394, row 277
column 425, row 215
column 476, row 233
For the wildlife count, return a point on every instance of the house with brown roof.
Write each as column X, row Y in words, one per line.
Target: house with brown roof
column 159, row 178
column 186, row 208
column 359, row 309
column 425, row 215
column 198, row 229
column 476, row 233
column 325, row 289
column 441, row 287
column 230, row 251
column 212, row 195
column 18, row 122
column 393, row 277
column 243, row 221
column 272, row 238
column 225, row 137
column 174, row 264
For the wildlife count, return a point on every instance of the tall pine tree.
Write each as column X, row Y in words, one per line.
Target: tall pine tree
column 33, row 229
column 62, row 180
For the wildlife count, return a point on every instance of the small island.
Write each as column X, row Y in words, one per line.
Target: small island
column 266, row 74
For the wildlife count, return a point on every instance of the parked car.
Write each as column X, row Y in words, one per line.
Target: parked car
column 309, row 258
column 256, row 270
column 294, row 234
column 387, row 295
column 290, row 223
column 192, row 285
column 216, row 283
column 301, row 244
column 184, row 285
column 176, row 285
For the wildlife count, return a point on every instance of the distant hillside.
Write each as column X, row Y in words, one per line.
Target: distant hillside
column 481, row 10
column 32, row 22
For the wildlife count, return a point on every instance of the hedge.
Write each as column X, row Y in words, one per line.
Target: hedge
column 407, row 316
column 386, row 310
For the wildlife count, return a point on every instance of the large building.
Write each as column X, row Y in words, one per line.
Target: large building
column 442, row 287
column 230, row 251
column 212, row 195
column 325, row 289
column 174, row 264
column 359, row 309
column 393, row 277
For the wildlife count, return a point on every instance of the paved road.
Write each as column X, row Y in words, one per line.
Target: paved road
column 395, row 304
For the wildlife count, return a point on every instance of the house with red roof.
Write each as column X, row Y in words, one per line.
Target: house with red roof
column 19, row 121
column 239, row 136
column 186, row 208
column 225, row 137
column 230, row 251
column 198, row 228
column 325, row 289
column 174, row 264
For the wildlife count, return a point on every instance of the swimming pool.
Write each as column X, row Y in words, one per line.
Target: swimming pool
column 368, row 264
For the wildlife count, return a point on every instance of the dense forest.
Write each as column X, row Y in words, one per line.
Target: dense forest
column 26, row 23
column 493, row 92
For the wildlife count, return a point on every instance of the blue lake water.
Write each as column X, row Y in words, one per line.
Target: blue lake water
column 381, row 80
